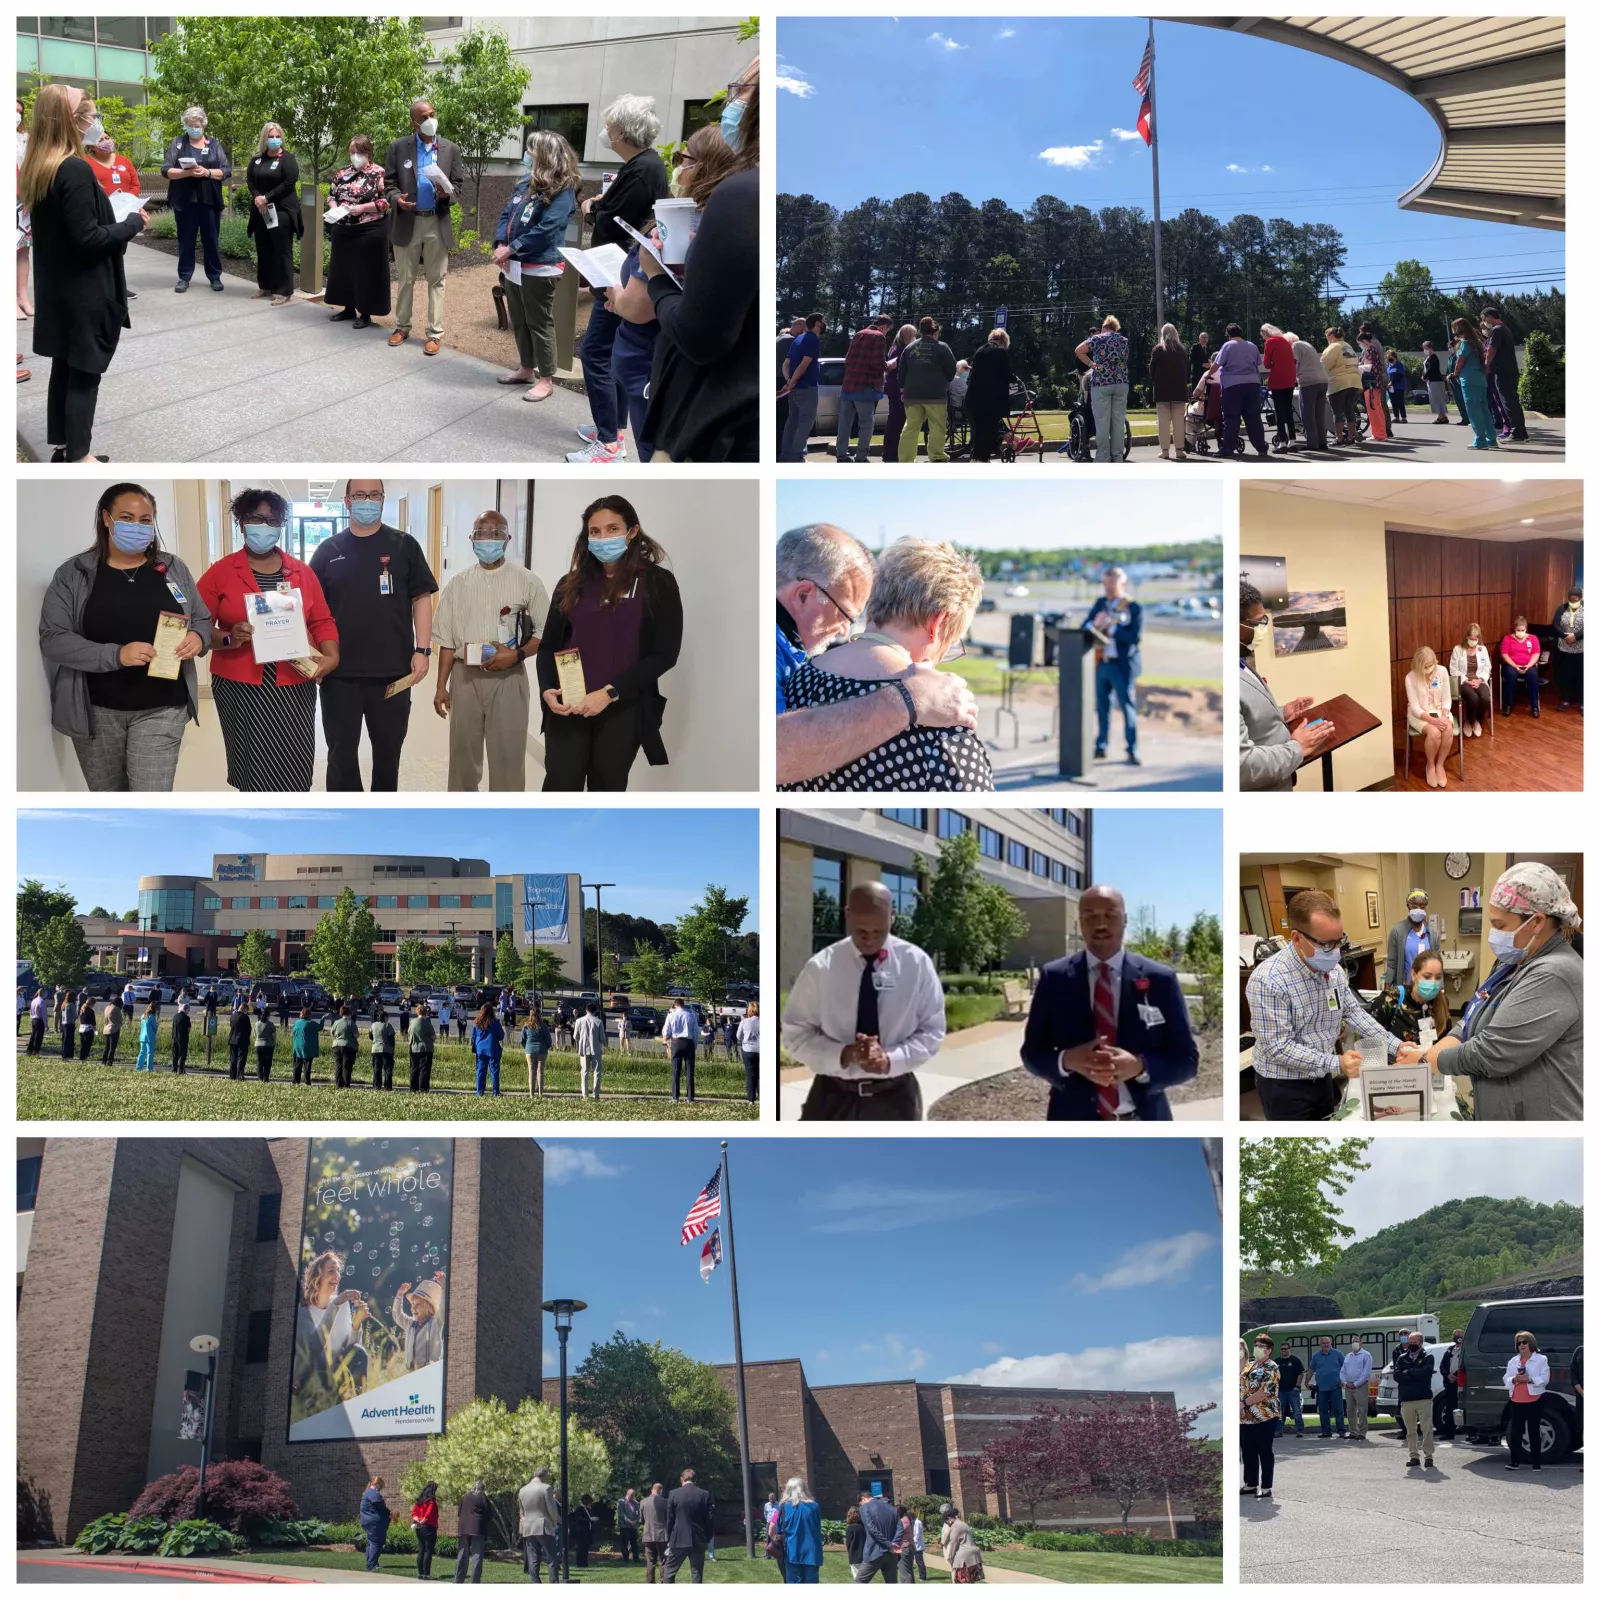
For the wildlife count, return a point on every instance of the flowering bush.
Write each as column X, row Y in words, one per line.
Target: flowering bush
column 241, row 1495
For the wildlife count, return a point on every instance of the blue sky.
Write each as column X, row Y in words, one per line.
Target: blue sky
column 660, row 860
column 885, row 107
column 996, row 515
column 1168, row 859
column 982, row 1260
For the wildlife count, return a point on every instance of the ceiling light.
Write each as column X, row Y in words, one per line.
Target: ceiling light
column 1527, row 522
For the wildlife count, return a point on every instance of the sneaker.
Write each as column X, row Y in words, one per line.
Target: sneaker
column 598, row 453
column 589, row 433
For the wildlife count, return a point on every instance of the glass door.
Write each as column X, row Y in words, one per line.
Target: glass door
column 312, row 530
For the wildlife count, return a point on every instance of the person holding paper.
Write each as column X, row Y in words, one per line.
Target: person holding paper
column 380, row 591
column 1116, row 620
column 197, row 166
column 358, row 267
column 101, row 617
column 422, row 173
column 114, row 172
column 486, row 627
column 616, row 620
column 527, row 249
column 266, row 703
column 274, row 179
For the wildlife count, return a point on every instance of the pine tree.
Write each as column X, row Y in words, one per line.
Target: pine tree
column 1543, row 384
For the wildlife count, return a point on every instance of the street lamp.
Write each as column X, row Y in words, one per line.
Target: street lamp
column 207, row 1345
column 563, row 1311
column 599, row 954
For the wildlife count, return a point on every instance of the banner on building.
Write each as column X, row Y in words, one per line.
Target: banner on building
column 371, row 1323
column 192, row 1410
column 544, row 910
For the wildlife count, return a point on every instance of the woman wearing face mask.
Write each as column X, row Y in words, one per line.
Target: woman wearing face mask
column 1519, row 663
column 115, row 173
column 1403, row 1007
column 268, row 712
column 620, row 609
column 1568, row 628
column 1259, row 1410
column 97, row 630
column 78, row 247
column 274, row 179
column 1471, row 668
column 1521, row 1034
column 1407, row 939
column 197, row 167
column 358, row 267
column 1428, row 712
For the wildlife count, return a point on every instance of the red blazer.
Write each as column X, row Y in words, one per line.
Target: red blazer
column 226, row 583
column 426, row 1512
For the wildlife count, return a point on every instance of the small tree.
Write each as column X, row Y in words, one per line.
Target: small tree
column 610, row 969
column 1542, row 386
column 1027, row 1465
column 1128, row 1450
column 961, row 918
column 1287, row 1221
column 705, row 939
column 477, row 91
column 37, row 907
column 648, row 971
column 507, row 963
column 542, row 970
column 60, row 952
column 411, row 960
column 448, row 965
column 241, row 1495
column 255, row 954
column 339, row 950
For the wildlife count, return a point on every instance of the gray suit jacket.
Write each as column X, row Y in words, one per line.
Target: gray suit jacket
column 1268, row 757
column 538, row 1510
column 400, row 177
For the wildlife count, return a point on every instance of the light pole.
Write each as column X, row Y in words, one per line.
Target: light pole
column 563, row 1311
column 207, row 1345
column 599, row 955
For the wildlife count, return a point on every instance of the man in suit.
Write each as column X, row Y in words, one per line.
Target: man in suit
column 1108, row 1030
column 1270, row 751
column 689, row 1528
column 419, row 227
column 472, row 1534
column 653, row 1520
column 538, row 1522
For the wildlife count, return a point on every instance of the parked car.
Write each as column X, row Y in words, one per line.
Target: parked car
column 645, row 1021
column 1484, row 1409
column 147, row 989
column 99, row 985
column 743, row 991
column 465, row 994
column 830, row 376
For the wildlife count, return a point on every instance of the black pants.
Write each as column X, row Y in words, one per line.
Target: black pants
column 383, row 1072
column 1569, row 675
column 628, row 1538
column 1475, row 702
column 427, row 1539
column 70, row 401
column 1255, row 1445
column 238, row 1058
column 683, row 1063
column 1283, row 415
column 1525, row 1421
column 85, row 1043
column 676, row 1556
column 344, row 1065
column 180, row 1053
column 752, row 1074
column 302, row 1068
column 593, row 753
column 421, row 1070
column 346, row 704
column 264, row 1062
column 580, row 1553
column 275, row 259
column 36, row 1037
column 985, row 433
column 1297, row 1099
column 1397, row 403
column 69, row 1034
column 1507, row 387
column 108, row 1056
column 835, row 1100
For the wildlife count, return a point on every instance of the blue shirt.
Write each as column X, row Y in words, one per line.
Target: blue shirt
column 805, row 344
column 681, row 1024
column 1417, row 939
column 1357, row 1368
column 790, row 657
column 1326, row 1365
column 426, row 198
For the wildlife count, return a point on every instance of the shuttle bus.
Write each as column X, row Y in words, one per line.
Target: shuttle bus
column 1380, row 1336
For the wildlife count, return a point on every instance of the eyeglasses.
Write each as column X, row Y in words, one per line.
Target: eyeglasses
column 852, row 620
column 1327, row 948
column 954, row 652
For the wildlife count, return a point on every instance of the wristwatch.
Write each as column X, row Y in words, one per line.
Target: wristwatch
column 422, row 649
column 610, row 692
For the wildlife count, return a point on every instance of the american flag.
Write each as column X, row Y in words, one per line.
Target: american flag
column 711, row 1255
column 1141, row 85
column 706, row 1208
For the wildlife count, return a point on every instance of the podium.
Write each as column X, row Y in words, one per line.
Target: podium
column 1075, row 691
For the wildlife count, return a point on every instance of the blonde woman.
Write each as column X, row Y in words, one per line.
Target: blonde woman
column 527, row 249
column 1470, row 666
column 923, row 598
column 273, row 177
column 1428, row 711
column 1169, row 389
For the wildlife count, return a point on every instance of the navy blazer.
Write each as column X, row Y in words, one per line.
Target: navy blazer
column 1062, row 1015
column 1127, row 634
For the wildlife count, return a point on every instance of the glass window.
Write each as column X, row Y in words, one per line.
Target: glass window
column 126, row 31
column 952, row 824
column 166, row 910
column 28, row 1181
column 912, row 816
column 416, row 902
column 387, row 902
column 296, row 934
column 269, row 902
column 68, row 28
column 119, row 66
column 504, row 912
column 27, row 24
column 827, row 901
column 698, row 114
column 239, row 902
column 1039, row 862
column 482, row 902
column 326, row 902
column 570, row 121
column 1058, row 871
column 212, row 902
column 1074, row 878
column 452, row 902
column 157, row 27
column 268, row 1209
column 297, row 902
column 258, row 1338
column 388, row 936
column 1074, row 823
column 63, row 58
column 989, row 842
column 1016, row 854
column 902, row 887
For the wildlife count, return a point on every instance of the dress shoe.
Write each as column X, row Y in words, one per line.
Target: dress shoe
column 347, row 315
column 431, row 348
column 398, row 337
column 181, row 286
column 362, row 322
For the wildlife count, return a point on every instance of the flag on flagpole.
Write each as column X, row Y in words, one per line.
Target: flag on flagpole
column 711, row 1255
column 706, row 1209
column 1141, row 86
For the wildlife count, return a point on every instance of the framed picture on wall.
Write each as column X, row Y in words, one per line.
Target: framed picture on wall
column 1308, row 620
column 1372, row 908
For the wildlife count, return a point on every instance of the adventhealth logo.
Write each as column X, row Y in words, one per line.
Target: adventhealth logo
column 414, row 1409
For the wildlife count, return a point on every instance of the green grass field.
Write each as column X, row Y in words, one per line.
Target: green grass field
column 985, row 675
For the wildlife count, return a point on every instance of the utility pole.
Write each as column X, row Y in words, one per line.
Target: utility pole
column 599, row 956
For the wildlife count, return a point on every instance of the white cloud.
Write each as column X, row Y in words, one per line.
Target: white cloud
column 944, row 41
column 1155, row 1261
column 549, row 1361
column 898, row 1359
column 1126, row 134
column 563, row 1162
column 1233, row 166
column 1006, row 33
column 1075, row 156
column 792, row 80
column 842, row 1208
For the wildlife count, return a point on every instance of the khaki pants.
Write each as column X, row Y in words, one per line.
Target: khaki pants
column 1355, row 1409
column 936, row 413
column 488, row 710
column 1416, row 1417
column 1169, row 426
column 424, row 257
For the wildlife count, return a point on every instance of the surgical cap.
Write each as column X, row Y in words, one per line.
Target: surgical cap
column 1532, row 889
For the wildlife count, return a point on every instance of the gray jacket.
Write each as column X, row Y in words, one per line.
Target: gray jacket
column 1525, row 1053
column 1268, row 757
column 1396, row 971
column 590, row 1034
column 538, row 1510
column 69, row 658
column 654, row 1512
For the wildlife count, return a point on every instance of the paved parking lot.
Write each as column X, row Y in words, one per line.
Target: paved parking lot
column 1344, row 1512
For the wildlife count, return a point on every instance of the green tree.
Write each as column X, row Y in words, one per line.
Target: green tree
column 60, row 952
column 449, row 964
column 256, row 958
column 476, row 88
column 1410, row 304
column 507, row 963
column 411, row 960
column 1287, row 1189
column 648, row 971
column 1000, row 924
column 37, row 908
column 1542, row 387
column 98, row 911
column 705, row 939
column 961, row 919
column 610, row 969
column 339, row 950
column 542, row 971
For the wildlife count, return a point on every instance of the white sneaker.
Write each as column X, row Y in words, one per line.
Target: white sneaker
column 601, row 454
column 589, row 433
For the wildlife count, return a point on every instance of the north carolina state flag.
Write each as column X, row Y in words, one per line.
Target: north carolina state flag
column 1143, row 124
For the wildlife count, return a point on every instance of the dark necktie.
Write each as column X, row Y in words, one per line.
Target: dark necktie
column 867, row 999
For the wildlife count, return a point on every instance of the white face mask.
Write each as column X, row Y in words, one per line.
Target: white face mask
column 358, row 162
column 430, row 126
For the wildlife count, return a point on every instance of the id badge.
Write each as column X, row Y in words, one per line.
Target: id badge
column 1333, row 1000
column 882, row 981
column 1151, row 1016
column 385, row 584
column 176, row 592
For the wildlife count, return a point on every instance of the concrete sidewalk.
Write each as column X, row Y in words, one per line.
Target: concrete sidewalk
column 75, row 1566
column 1170, row 762
column 207, row 377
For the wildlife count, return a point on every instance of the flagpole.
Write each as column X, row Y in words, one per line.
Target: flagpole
column 738, row 1364
column 1155, row 178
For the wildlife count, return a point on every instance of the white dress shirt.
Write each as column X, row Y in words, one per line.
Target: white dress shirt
column 1114, row 963
column 471, row 606
column 820, row 1019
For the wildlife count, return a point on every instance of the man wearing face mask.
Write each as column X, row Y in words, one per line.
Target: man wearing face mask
column 420, row 221
column 1271, row 751
column 379, row 589
column 487, row 626
column 1300, row 1004
column 1408, row 939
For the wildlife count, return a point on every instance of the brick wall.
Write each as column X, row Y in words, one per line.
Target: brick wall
column 854, row 1422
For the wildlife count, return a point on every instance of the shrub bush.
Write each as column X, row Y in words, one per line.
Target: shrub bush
column 240, row 1495
column 281, row 1533
column 1543, row 383
column 118, row 1531
column 198, row 1536
column 1130, row 1544
column 33, row 1512
column 832, row 1530
column 968, row 1010
column 102, row 1534
column 342, row 1533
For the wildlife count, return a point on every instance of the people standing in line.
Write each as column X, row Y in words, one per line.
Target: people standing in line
column 1237, row 366
column 1278, row 358
column 1519, row 665
column 1438, row 389
column 197, row 167
column 749, row 1040
column 855, row 1540
column 181, row 1024
column 539, row 1525
column 358, row 243
column 627, row 1519
column 1452, row 1371
column 1117, row 621
column 267, row 711
column 619, row 608
column 110, row 1027
column 1259, row 1417
column 860, row 387
column 1291, row 1398
column 375, row 1517
column 1468, row 370
column 654, row 1524
column 346, row 1042
column 798, row 1525
column 380, row 591
column 425, row 1525
column 149, row 1026
column 1324, row 1380
column 264, row 1038
column 239, row 1025
column 488, row 1040
column 305, row 1044
column 273, row 177
column 1471, row 668
column 1106, row 353
column 536, row 1047
column 691, row 1524
column 681, row 1034
column 382, row 1037
column 1395, row 372
column 472, row 1534
column 419, row 1046
column 483, row 692
column 988, row 396
column 422, row 174
column 1355, row 1373
column 1412, row 1367
column 83, row 1023
column 801, row 369
column 1567, row 625
column 1343, row 368
column 1503, row 372
column 1311, row 378
column 1169, row 392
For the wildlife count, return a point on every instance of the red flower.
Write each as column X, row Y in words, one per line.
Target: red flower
column 161, row 569
column 882, row 955
column 384, row 560
column 505, row 611
column 1142, row 985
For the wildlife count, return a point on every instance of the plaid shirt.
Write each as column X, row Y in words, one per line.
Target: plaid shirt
column 1297, row 1016
column 864, row 363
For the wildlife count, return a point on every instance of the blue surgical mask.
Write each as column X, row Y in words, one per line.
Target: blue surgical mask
column 527, row 161
column 489, row 551
column 1322, row 960
column 1417, row 914
column 366, row 512
column 1503, row 941
column 732, row 116
column 260, row 537
column 194, row 133
column 1428, row 988
column 132, row 538
column 608, row 550
column 274, row 143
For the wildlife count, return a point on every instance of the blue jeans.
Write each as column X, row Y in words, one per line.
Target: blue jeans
column 607, row 400
column 490, row 1066
column 797, row 430
column 204, row 221
column 1112, row 678
column 1293, row 1403
column 1330, row 1409
column 1510, row 678
column 1109, row 402
column 1242, row 401
column 630, row 366
column 856, row 411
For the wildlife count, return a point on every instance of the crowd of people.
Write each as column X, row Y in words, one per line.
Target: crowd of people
column 670, row 354
column 365, row 606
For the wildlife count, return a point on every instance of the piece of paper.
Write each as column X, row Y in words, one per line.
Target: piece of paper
column 514, row 273
column 278, row 626
column 124, row 206
column 649, row 248
column 1397, row 1093
column 399, row 686
column 569, row 673
column 171, row 630
column 601, row 266
column 270, row 216
column 437, row 178
column 336, row 214
column 187, row 161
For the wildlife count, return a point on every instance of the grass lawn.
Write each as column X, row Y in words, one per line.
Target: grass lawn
column 1057, row 429
column 985, row 675
column 1091, row 1566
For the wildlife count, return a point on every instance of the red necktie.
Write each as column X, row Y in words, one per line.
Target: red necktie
column 1105, row 1027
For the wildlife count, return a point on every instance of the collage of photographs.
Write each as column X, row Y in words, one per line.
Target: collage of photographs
column 380, row 1109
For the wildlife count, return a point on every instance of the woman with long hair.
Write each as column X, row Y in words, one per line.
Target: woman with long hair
column 358, row 265
column 1468, row 370
column 528, row 237
column 425, row 1524
column 618, row 608
column 98, row 628
column 1470, row 666
column 78, row 245
column 488, row 1038
column 1403, row 1008
column 1428, row 712
column 798, row 1528
column 1169, row 389
column 24, row 230
column 273, row 177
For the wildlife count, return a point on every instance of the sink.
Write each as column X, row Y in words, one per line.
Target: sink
column 1456, row 960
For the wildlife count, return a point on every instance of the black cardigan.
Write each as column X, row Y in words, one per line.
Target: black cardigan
column 281, row 188
column 660, row 640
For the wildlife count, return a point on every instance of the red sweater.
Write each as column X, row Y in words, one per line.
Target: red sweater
column 117, row 176
column 426, row 1512
column 224, row 585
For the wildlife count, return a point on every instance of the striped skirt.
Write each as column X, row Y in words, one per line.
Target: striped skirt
column 270, row 733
